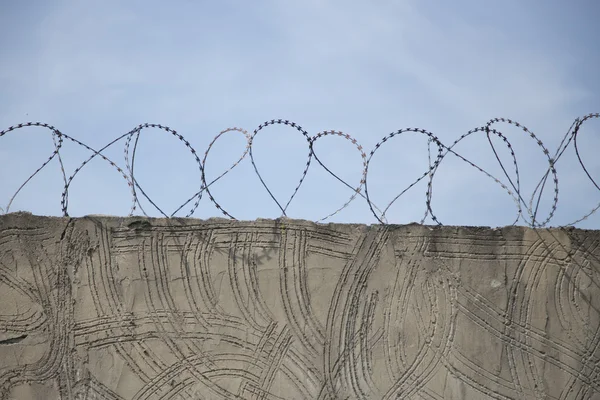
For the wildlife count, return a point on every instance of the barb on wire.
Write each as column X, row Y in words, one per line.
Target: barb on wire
column 310, row 155
column 57, row 145
column 363, row 178
column 510, row 182
column 205, row 185
column 131, row 162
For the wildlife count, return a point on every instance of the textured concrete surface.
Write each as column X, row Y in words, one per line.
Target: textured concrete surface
column 133, row 308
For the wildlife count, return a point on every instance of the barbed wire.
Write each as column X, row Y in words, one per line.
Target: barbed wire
column 512, row 186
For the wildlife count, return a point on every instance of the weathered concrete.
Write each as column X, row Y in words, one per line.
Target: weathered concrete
column 132, row 308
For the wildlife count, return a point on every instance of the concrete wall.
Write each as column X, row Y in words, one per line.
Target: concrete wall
column 132, row 308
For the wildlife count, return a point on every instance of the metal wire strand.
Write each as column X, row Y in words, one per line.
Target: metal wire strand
column 527, row 211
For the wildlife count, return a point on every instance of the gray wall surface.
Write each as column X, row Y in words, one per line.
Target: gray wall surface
column 136, row 308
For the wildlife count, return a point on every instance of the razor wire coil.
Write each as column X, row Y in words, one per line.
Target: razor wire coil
column 511, row 185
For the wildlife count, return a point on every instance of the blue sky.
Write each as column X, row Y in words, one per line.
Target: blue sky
column 95, row 70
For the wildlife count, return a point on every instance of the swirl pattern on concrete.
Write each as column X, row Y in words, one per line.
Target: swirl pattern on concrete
column 137, row 308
